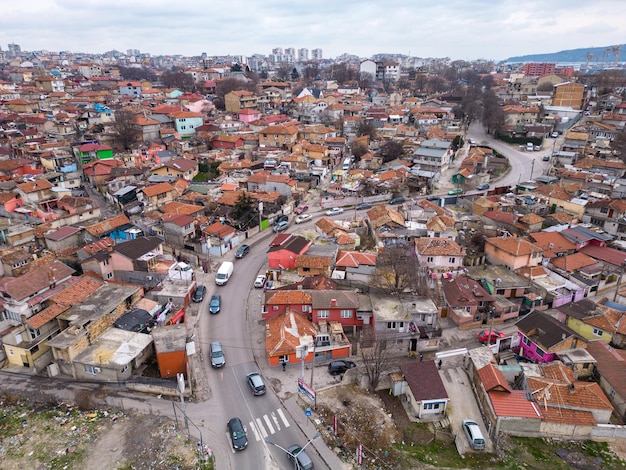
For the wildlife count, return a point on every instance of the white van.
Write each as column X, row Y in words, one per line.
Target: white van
column 529, row 146
column 224, row 273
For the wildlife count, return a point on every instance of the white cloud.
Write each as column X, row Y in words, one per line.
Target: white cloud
column 459, row 29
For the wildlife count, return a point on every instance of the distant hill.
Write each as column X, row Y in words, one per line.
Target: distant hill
column 572, row 55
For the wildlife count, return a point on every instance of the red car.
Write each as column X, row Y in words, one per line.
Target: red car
column 301, row 209
column 490, row 336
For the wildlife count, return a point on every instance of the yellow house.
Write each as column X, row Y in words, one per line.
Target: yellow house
column 179, row 167
column 278, row 136
column 593, row 321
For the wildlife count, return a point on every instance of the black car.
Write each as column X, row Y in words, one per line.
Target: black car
column 242, row 251
column 339, row 367
column 363, row 206
column 199, row 293
column 237, row 434
column 215, row 304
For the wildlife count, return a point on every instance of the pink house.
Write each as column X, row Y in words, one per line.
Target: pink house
column 11, row 201
column 248, row 115
column 543, row 336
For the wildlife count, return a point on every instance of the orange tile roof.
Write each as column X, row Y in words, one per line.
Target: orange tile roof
column 78, row 292
column 438, row 247
column 40, row 319
column 158, row 188
column 107, row 225
column 573, row 262
column 179, row 208
column 316, row 262
column 514, row 404
column 493, row 379
column 286, row 332
column 287, row 297
column 354, row 259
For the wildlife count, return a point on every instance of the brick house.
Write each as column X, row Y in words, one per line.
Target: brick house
column 467, row 302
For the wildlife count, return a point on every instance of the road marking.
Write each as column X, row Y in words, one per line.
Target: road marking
column 275, row 419
column 255, row 430
column 282, row 416
column 259, row 425
column 269, row 424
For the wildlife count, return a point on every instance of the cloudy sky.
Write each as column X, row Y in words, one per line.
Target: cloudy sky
column 459, row 29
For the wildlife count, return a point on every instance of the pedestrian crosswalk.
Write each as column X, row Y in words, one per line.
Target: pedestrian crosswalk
column 268, row 424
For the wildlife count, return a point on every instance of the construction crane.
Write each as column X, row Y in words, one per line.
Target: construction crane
column 615, row 50
column 589, row 57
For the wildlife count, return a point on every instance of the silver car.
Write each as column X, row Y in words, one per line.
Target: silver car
column 217, row 355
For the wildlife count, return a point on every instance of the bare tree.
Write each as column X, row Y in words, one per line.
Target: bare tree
column 376, row 359
column 395, row 268
column 125, row 129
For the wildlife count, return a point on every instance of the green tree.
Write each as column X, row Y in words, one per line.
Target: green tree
column 243, row 206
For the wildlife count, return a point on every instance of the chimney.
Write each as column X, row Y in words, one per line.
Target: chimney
column 333, row 302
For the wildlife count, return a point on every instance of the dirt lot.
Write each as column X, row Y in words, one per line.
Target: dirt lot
column 63, row 437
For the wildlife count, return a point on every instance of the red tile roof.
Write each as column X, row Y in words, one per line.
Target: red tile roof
column 514, row 404
column 286, row 332
column 493, row 379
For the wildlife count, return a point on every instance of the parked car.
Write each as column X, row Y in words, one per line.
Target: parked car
column 301, row 209
column 237, row 434
column 546, row 158
column 363, row 206
column 397, row 200
column 299, row 455
column 474, row 434
column 260, row 281
column 472, row 142
column 280, row 226
column 490, row 336
column 303, row 218
column 339, row 367
column 217, row 355
column 455, row 191
column 242, row 251
column 256, row 383
column 554, row 135
column 537, row 148
column 482, row 186
column 199, row 293
column 215, row 304
column 334, row 211
column 281, row 218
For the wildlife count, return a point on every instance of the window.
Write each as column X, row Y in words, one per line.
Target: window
column 91, row 370
column 525, row 340
column 604, row 210
column 125, row 368
column 323, row 314
column 284, row 359
column 451, row 260
column 346, row 314
column 275, row 307
column 430, row 259
column 33, row 333
column 597, row 332
column 306, row 308
column 540, row 352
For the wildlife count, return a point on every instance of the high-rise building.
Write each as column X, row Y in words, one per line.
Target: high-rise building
column 316, row 54
column 537, row 69
column 14, row 48
column 303, row 54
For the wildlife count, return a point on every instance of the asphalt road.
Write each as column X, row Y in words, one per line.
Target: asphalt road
column 524, row 165
column 263, row 416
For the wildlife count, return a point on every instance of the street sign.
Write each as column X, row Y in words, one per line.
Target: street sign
column 304, row 389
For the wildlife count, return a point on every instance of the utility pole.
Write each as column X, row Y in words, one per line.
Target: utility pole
column 619, row 281
column 312, row 363
column 532, row 169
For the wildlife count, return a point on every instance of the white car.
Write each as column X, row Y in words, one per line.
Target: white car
column 260, row 281
column 334, row 211
column 303, row 218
